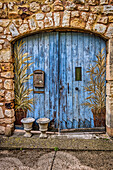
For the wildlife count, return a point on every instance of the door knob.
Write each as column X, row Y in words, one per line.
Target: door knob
column 76, row 88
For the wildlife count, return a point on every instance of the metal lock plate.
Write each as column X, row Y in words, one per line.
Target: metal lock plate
column 38, row 78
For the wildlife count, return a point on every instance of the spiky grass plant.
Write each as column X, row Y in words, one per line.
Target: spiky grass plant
column 21, row 66
column 96, row 85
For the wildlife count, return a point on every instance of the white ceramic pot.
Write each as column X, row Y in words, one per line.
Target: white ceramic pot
column 28, row 122
column 43, row 126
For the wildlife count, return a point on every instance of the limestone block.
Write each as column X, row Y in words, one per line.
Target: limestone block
column 84, row 16
column 8, row 74
column 8, row 84
column 4, row 22
column 1, row 29
column 17, row 22
column 102, row 2
column 79, row 1
column 75, row 14
column 49, row 14
column 110, row 18
column 109, row 72
column 6, row 66
column 39, row 16
column 5, row 55
column 9, row 113
column 109, row 111
column 108, row 116
column 9, row 95
column 48, row 21
column 1, row 113
column 96, row 9
column 1, row 85
column 46, row 8
column 2, row 121
column 92, row 2
column 1, row 4
column 1, row 95
column 83, row 8
column 11, row 5
column 2, row 41
column 57, row 19
column 66, row 19
column 9, row 120
column 109, row 32
column 34, row 7
column 13, row 30
column 2, row 130
column 3, row 36
column 9, row 37
column 9, row 130
column 102, row 20
column 1, row 47
column 109, row 88
column 77, row 23
column 91, row 20
column 40, row 24
column 58, row 8
column 108, row 9
column 7, row 31
column 71, row 6
column 32, row 24
column 100, row 28
column 23, row 28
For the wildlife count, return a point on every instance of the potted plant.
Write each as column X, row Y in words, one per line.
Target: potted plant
column 21, row 65
column 96, row 90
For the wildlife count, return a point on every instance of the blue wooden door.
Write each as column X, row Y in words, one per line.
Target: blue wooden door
column 59, row 54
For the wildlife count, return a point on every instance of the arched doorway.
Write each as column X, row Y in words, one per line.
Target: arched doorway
column 64, row 57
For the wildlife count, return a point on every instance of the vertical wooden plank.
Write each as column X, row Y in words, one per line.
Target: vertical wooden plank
column 80, row 91
column 56, row 87
column 47, row 65
column 30, row 70
column 91, row 63
column 75, row 83
column 69, row 81
column 41, row 67
column 36, row 64
column 51, row 80
column 62, row 81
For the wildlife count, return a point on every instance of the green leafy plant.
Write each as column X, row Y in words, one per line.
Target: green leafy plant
column 56, row 149
column 96, row 85
column 21, row 65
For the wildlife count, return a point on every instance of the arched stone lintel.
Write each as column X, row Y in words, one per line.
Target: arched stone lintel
column 58, row 29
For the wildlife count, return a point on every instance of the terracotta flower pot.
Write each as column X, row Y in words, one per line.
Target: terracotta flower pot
column 99, row 117
column 20, row 114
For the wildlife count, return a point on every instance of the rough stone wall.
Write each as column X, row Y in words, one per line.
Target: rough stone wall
column 23, row 17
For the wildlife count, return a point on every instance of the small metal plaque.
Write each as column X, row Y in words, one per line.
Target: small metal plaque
column 38, row 78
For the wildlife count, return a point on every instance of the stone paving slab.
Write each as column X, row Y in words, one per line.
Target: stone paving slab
column 62, row 143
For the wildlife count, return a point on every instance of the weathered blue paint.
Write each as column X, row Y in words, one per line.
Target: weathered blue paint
column 57, row 54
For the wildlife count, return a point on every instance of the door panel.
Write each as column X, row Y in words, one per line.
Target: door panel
column 58, row 54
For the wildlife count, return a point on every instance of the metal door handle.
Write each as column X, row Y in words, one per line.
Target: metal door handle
column 68, row 87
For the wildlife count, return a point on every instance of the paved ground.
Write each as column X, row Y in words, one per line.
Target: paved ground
column 58, row 152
